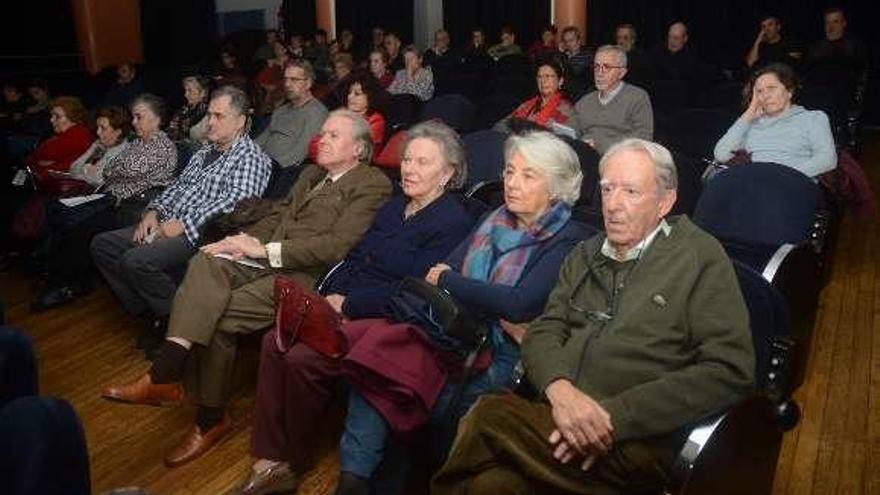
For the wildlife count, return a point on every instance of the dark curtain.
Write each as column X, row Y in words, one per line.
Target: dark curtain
column 361, row 17
column 300, row 17
column 178, row 34
column 525, row 16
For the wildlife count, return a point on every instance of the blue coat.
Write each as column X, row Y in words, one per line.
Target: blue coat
column 394, row 248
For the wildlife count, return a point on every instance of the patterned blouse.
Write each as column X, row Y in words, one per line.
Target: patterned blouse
column 422, row 85
column 143, row 165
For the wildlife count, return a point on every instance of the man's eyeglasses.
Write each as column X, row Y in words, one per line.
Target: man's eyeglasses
column 605, row 67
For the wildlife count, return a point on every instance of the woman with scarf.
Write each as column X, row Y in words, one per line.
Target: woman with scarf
column 550, row 105
column 504, row 272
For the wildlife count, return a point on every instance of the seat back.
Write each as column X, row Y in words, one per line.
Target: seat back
column 694, row 131
column 485, row 156
column 403, row 111
column 761, row 203
column 455, row 110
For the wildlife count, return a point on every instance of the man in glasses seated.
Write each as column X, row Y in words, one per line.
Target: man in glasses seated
column 645, row 334
column 615, row 110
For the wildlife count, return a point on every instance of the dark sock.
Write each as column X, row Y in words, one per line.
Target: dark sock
column 352, row 484
column 168, row 367
column 208, row 417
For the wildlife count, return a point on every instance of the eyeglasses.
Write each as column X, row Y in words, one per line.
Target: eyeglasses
column 605, row 67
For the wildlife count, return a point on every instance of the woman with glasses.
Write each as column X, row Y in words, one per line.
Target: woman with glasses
column 549, row 105
column 503, row 272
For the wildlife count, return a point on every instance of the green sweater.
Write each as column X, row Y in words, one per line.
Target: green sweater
column 677, row 347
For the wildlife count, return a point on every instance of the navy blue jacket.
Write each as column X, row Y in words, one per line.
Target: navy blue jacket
column 394, row 248
column 526, row 300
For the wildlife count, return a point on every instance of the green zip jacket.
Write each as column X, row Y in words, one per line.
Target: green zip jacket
column 660, row 342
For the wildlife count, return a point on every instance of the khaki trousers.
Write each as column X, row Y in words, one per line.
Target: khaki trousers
column 218, row 301
column 502, row 448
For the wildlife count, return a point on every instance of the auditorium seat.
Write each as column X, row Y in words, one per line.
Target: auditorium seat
column 455, row 110
column 485, row 156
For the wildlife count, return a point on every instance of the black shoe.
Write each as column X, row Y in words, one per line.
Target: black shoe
column 54, row 297
column 352, row 484
column 153, row 335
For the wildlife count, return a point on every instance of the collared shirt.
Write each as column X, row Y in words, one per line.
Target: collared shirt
column 207, row 188
column 636, row 251
column 604, row 100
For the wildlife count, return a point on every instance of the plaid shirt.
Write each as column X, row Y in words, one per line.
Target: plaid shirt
column 205, row 190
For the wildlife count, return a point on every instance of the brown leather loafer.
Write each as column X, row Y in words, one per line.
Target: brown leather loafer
column 278, row 478
column 144, row 391
column 195, row 443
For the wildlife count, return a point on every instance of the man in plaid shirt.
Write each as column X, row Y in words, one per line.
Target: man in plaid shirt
column 136, row 260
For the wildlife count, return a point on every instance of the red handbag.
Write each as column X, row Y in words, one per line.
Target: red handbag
column 302, row 316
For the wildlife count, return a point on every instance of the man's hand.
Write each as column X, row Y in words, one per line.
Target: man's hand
column 147, row 226
column 238, row 246
column 171, row 228
column 590, row 141
column 433, row 276
column 336, row 301
column 564, row 452
column 516, row 330
column 581, row 421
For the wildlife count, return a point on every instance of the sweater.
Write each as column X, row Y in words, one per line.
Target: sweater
column 394, row 248
column 797, row 138
column 59, row 151
column 286, row 139
column 95, row 175
column 628, row 114
column 668, row 346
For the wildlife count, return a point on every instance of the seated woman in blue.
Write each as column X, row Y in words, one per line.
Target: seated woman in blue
column 410, row 233
column 773, row 130
column 503, row 271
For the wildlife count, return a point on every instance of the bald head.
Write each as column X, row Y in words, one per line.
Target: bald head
column 677, row 37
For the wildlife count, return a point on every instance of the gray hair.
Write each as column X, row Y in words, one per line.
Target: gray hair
column 238, row 99
column 664, row 165
column 155, row 103
column 304, row 65
column 451, row 147
column 554, row 158
column 621, row 54
column 360, row 133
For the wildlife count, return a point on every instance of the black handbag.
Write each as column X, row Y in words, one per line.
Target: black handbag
column 450, row 325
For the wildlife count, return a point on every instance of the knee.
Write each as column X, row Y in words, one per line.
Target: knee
column 99, row 244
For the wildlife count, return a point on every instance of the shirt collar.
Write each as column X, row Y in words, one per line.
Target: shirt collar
column 636, row 251
column 604, row 100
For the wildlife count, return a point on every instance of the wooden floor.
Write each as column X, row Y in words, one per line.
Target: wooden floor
column 834, row 450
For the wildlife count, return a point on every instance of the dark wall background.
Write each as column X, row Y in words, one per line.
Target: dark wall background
column 299, row 17
column 526, row 17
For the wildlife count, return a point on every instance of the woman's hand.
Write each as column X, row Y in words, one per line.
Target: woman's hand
column 516, row 330
column 146, row 228
column 336, row 301
column 755, row 110
column 433, row 276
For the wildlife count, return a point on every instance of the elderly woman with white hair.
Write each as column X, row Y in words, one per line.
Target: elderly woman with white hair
column 503, row 272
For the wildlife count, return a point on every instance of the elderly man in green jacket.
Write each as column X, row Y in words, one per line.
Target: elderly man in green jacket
column 645, row 334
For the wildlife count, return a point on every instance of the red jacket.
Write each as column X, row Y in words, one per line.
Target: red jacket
column 60, row 151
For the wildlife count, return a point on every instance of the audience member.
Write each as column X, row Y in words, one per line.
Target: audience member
column 412, row 232
column 504, row 271
column 507, row 46
column 645, row 334
column 292, row 126
column 270, row 81
column 441, row 54
column 127, row 86
column 318, row 53
column 579, row 60
column 297, row 46
column 546, row 45
column 475, row 52
column 326, row 213
column 392, row 45
column 334, row 95
column 189, row 124
column 14, row 106
column 638, row 64
column 346, row 42
column 72, row 137
column 266, row 51
column 774, row 130
column 136, row 260
column 378, row 61
column 413, row 79
column 377, row 38
column 837, row 47
column 549, row 106
column 230, row 73
column 674, row 60
column 771, row 46
column 616, row 110
column 72, row 228
column 366, row 98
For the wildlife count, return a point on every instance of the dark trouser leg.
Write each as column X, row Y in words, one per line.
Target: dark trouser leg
column 507, row 432
column 146, row 268
column 68, row 260
column 107, row 251
column 43, row 448
column 293, row 392
column 18, row 365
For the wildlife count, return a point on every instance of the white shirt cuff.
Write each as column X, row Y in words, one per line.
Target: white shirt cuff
column 273, row 249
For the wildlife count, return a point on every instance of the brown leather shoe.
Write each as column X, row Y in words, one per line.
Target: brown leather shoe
column 144, row 391
column 195, row 443
column 278, row 478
